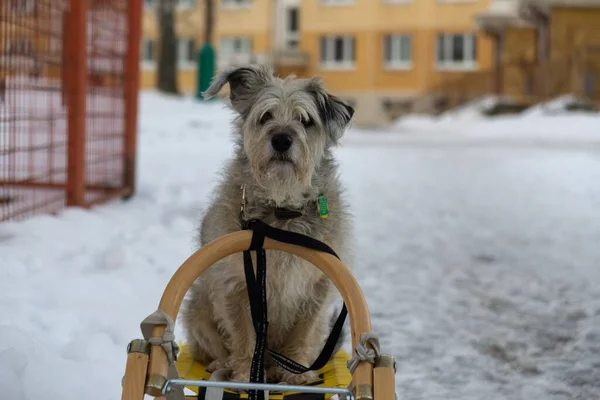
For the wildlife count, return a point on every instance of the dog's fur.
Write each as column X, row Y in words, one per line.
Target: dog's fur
column 216, row 316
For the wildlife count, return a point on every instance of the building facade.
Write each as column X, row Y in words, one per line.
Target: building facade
column 382, row 56
column 376, row 54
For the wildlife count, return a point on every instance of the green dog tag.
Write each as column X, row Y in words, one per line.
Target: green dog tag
column 323, row 206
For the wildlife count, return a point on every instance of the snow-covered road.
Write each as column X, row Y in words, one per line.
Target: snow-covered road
column 479, row 254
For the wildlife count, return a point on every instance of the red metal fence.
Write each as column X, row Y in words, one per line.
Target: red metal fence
column 69, row 73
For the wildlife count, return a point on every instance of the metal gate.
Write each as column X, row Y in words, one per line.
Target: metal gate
column 69, row 73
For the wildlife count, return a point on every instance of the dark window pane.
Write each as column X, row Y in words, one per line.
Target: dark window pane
column 440, row 48
column 323, row 48
column 150, row 49
column 293, row 20
column 352, row 49
column 387, row 45
column 339, row 49
column 458, row 48
column 474, row 48
column 191, row 50
column 406, row 48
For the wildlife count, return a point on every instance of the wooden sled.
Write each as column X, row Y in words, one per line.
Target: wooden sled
column 148, row 364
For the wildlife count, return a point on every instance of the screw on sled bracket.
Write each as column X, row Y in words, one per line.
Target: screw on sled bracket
column 138, row 346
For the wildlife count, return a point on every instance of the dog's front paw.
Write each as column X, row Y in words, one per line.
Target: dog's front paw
column 240, row 376
column 240, row 369
column 299, row 379
column 216, row 365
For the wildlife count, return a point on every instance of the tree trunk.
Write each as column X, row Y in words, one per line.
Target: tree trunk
column 209, row 23
column 167, row 57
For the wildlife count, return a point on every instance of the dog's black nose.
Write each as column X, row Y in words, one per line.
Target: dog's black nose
column 281, row 142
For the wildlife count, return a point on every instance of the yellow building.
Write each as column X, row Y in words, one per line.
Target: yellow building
column 189, row 22
column 382, row 56
column 402, row 48
column 373, row 53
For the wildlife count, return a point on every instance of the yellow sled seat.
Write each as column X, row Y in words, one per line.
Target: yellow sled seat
column 334, row 374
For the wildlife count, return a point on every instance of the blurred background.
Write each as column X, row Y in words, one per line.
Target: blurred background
column 391, row 57
column 471, row 169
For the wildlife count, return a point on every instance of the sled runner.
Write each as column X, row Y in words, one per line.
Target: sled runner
column 160, row 367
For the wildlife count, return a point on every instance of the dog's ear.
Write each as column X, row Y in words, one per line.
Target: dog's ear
column 244, row 83
column 335, row 114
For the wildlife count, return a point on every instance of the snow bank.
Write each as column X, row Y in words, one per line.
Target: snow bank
column 474, row 110
column 548, row 121
column 557, row 106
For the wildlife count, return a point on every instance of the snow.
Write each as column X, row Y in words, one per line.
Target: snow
column 476, row 247
column 475, row 109
column 555, row 106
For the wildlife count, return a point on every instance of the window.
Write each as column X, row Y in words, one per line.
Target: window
column 397, row 51
column 180, row 3
column 20, row 47
column 456, row 51
column 338, row 51
column 292, row 27
column 148, row 51
column 186, row 52
column 22, row 6
column 236, row 45
column 236, row 3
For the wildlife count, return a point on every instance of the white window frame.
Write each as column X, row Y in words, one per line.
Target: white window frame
column 396, row 63
column 186, row 4
column 330, row 62
column 290, row 35
column 183, row 59
column 246, row 46
column 180, row 3
column 235, row 4
column 146, row 63
column 468, row 64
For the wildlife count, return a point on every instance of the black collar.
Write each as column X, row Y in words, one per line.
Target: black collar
column 281, row 213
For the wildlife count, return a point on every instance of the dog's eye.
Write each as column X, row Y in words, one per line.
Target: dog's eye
column 307, row 122
column 265, row 118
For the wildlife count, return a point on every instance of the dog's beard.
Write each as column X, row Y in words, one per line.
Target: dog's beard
column 285, row 178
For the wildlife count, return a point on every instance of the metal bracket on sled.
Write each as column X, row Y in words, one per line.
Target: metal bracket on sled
column 140, row 346
column 345, row 394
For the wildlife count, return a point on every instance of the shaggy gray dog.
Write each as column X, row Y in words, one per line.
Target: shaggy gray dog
column 284, row 132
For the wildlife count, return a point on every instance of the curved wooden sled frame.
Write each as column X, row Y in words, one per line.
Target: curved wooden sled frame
column 147, row 374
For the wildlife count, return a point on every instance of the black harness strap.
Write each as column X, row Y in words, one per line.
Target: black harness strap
column 258, row 302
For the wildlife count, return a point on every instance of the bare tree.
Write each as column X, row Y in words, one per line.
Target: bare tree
column 209, row 23
column 167, row 57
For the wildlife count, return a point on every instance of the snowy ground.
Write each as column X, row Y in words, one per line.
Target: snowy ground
column 477, row 249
